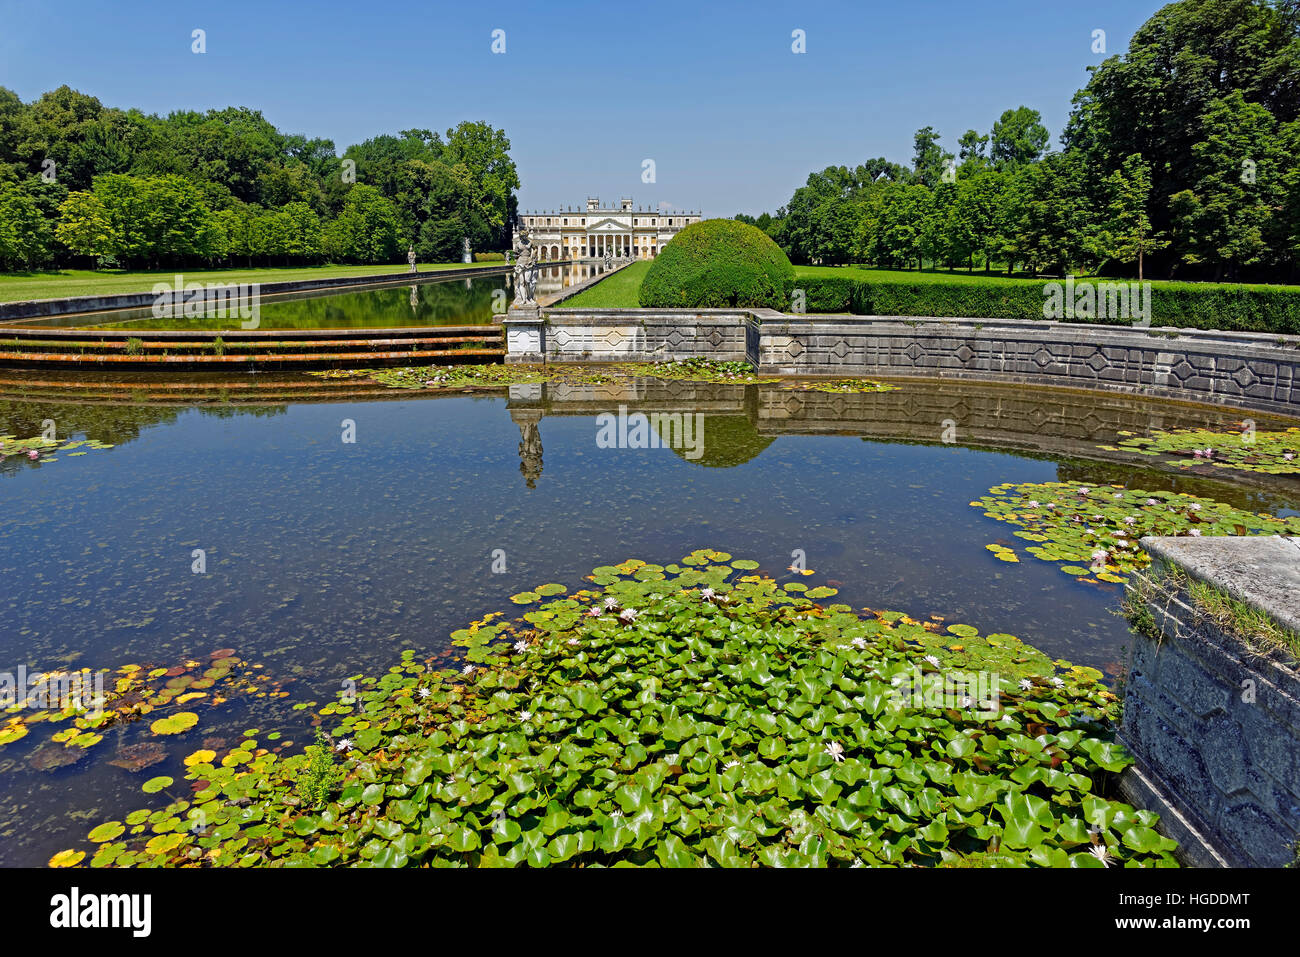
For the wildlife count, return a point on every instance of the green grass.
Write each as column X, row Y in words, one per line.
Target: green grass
column 904, row 276
column 15, row 287
column 619, row 291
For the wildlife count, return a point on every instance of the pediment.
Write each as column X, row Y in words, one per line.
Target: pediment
column 607, row 225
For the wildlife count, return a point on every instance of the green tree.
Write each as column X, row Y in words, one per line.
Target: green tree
column 26, row 236
column 1129, row 235
column 1018, row 137
column 929, row 159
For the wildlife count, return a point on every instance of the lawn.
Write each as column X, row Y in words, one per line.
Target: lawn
column 15, row 287
column 905, row 276
column 617, row 292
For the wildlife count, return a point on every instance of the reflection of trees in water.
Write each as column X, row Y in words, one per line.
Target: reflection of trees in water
column 115, row 424
column 112, row 424
column 446, row 302
column 727, row 440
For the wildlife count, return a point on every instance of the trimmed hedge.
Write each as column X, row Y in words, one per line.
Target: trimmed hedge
column 718, row 263
column 489, row 257
column 1186, row 305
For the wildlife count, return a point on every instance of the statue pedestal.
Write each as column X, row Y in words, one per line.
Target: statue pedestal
column 525, row 335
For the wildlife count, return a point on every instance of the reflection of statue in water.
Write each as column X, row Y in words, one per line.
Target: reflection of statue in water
column 415, row 296
column 530, row 448
column 525, row 270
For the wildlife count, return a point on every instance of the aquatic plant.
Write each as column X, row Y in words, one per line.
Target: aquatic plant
column 693, row 714
column 1094, row 530
column 841, row 386
column 163, row 698
column 1248, row 450
column 43, row 450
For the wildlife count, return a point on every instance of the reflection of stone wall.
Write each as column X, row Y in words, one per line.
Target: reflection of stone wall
column 1213, row 723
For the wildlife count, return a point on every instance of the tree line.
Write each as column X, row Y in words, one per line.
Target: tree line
column 84, row 184
column 1180, row 158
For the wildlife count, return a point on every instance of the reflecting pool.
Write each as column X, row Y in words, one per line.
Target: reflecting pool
column 434, row 301
column 324, row 558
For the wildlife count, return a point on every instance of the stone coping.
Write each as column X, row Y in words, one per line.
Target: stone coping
column 1261, row 571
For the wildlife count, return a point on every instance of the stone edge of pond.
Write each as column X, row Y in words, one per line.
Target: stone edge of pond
column 1256, row 371
column 1214, row 724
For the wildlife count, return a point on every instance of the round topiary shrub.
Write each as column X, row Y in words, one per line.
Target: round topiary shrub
column 718, row 263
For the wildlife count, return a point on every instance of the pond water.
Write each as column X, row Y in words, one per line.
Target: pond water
column 325, row 558
column 436, row 301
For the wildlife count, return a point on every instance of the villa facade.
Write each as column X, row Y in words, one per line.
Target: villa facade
column 622, row 230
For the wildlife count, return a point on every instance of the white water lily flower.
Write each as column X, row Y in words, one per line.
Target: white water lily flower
column 611, row 602
column 628, row 615
column 525, row 716
column 1026, row 684
column 345, row 744
column 521, row 645
column 1130, row 520
column 933, row 660
column 1152, row 501
column 1194, row 507
column 1100, row 853
column 468, row 670
column 859, row 642
column 1057, row 682
column 572, row 641
column 1031, row 504
column 423, row 692
column 707, row 593
column 1195, row 532
column 835, row 750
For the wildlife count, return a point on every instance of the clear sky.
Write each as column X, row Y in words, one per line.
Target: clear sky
column 711, row 91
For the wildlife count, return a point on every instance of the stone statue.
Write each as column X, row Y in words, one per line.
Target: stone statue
column 410, row 257
column 609, row 259
column 466, row 254
column 525, row 270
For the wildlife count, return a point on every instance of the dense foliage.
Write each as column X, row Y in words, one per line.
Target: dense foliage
column 694, row 714
column 85, row 184
column 1095, row 531
column 1188, row 305
column 1273, row 453
column 715, row 263
column 1181, row 159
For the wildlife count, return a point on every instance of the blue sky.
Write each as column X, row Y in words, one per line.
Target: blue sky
column 711, row 91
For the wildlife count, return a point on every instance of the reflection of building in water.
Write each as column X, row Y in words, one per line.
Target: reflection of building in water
column 556, row 278
column 623, row 231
